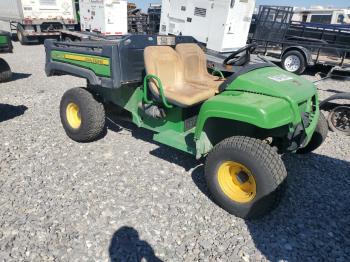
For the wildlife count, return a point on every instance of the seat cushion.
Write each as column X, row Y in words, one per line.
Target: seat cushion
column 166, row 64
column 188, row 95
column 195, row 67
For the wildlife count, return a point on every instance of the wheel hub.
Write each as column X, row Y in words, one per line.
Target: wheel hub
column 292, row 63
column 237, row 182
column 73, row 115
column 340, row 118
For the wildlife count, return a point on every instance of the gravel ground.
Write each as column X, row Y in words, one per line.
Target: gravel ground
column 125, row 195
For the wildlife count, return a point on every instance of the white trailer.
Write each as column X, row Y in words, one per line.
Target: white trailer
column 33, row 19
column 223, row 25
column 107, row 17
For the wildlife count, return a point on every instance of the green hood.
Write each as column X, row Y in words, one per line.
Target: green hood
column 275, row 82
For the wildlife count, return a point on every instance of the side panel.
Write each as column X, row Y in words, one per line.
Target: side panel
column 230, row 24
column 101, row 66
column 17, row 10
column 48, row 9
column 259, row 110
column 11, row 10
column 106, row 17
column 198, row 19
column 5, row 42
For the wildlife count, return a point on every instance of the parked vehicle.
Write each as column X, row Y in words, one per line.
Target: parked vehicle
column 5, row 47
column 240, row 122
column 300, row 45
column 323, row 15
column 33, row 20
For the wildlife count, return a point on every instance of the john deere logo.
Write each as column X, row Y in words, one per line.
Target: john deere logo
column 87, row 59
column 81, row 58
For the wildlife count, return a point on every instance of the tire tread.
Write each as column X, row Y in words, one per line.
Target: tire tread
column 95, row 116
column 263, row 153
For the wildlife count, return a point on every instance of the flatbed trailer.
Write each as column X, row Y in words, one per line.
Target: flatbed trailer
column 300, row 45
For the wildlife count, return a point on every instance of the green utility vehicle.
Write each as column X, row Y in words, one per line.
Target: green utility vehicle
column 241, row 122
column 5, row 47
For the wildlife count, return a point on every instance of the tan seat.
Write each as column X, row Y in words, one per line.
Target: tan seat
column 165, row 63
column 195, row 63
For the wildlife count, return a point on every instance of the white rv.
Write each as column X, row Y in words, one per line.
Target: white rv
column 223, row 25
column 108, row 17
column 322, row 15
column 32, row 19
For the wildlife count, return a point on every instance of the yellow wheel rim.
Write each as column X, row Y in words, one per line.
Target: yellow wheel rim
column 237, row 182
column 73, row 115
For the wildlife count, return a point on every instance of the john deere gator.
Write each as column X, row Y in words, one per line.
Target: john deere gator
column 239, row 122
column 5, row 47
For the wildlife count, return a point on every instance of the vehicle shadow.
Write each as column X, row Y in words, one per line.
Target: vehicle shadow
column 8, row 112
column 19, row 76
column 127, row 246
column 164, row 152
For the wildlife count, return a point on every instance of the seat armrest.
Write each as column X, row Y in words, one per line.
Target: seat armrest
column 160, row 89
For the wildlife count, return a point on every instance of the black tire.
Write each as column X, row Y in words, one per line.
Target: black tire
column 68, row 39
column 267, row 169
column 343, row 128
column 295, row 55
column 5, row 71
column 20, row 36
column 318, row 137
column 91, row 113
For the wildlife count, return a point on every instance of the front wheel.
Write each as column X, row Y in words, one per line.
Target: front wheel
column 5, row 71
column 245, row 176
column 82, row 117
column 294, row 62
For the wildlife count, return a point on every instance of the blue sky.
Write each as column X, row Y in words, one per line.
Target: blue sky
column 306, row 3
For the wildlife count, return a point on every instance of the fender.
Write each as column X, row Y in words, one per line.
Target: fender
column 260, row 110
column 345, row 96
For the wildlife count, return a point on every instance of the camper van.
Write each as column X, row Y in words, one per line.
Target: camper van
column 322, row 15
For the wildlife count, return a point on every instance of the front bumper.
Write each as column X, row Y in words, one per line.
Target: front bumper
column 301, row 133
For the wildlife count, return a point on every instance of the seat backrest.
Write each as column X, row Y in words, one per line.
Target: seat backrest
column 165, row 63
column 194, row 60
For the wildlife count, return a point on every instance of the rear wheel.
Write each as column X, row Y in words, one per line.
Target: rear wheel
column 20, row 35
column 339, row 120
column 318, row 137
column 245, row 176
column 294, row 62
column 82, row 117
column 5, row 71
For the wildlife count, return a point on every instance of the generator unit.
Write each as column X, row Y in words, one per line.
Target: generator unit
column 223, row 25
column 108, row 17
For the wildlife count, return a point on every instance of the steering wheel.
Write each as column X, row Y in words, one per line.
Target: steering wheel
column 235, row 60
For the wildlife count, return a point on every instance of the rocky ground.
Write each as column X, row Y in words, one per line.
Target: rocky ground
column 125, row 195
